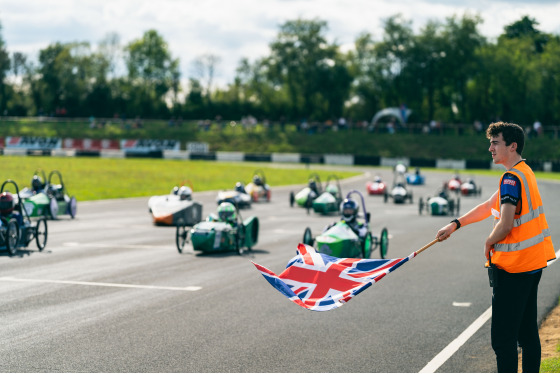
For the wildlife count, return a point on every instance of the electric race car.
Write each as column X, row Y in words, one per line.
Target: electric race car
column 350, row 237
column 329, row 201
column 439, row 205
column 416, row 178
column 175, row 209
column 221, row 232
column 258, row 189
column 46, row 198
column 469, row 188
column 454, row 184
column 238, row 196
column 308, row 194
column 399, row 192
column 16, row 228
column 377, row 187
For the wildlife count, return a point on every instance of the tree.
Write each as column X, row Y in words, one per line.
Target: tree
column 300, row 59
column 204, row 67
column 4, row 68
column 152, row 72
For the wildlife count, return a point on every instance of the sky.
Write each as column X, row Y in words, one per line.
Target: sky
column 235, row 29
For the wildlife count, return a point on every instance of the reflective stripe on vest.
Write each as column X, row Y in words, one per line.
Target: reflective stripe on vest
column 522, row 245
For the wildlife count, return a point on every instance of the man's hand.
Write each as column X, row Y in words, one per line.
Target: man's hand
column 487, row 249
column 446, row 231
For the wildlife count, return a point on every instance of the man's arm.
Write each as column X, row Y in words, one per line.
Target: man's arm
column 476, row 214
column 502, row 228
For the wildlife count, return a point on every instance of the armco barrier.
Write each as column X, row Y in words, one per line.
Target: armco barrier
column 258, row 157
column 339, row 159
column 230, row 156
column 392, row 162
column 176, row 155
column 286, row 157
column 451, row 164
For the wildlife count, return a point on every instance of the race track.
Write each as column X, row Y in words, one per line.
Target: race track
column 110, row 293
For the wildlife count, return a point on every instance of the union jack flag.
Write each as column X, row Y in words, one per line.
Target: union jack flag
column 319, row 282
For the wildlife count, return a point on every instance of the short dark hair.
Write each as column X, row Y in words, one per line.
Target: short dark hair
column 511, row 132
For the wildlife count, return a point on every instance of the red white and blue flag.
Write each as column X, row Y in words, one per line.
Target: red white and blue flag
column 319, row 282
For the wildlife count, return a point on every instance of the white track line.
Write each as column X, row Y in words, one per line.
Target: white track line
column 454, row 346
column 457, row 343
column 190, row 288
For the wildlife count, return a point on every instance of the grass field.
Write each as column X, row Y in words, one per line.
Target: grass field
column 100, row 178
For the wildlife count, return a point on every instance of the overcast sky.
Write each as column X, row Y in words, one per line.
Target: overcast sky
column 233, row 29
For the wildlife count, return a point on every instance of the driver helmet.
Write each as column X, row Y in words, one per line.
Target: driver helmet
column 175, row 190
column 377, row 179
column 185, row 193
column 332, row 189
column 36, row 183
column 239, row 187
column 6, row 203
column 349, row 209
column 226, row 212
column 312, row 184
column 257, row 180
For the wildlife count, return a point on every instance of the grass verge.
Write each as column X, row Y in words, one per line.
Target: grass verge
column 101, row 178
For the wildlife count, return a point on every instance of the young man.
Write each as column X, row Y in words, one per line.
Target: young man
column 518, row 247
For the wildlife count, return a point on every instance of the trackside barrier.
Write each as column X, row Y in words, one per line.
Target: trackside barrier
column 112, row 153
column 286, row 157
column 257, row 157
column 330, row 159
column 339, row 159
column 392, row 162
column 63, row 152
column 15, row 151
column 176, row 155
column 451, row 164
column 230, row 156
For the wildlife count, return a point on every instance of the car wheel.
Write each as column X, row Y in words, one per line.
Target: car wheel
column 420, row 206
column 292, row 199
column 307, row 236
column 366, row 247
column 181, row 237
column 240, row 240
column 41, row 233
column 383, row 243
column 73, row 207
column 53, row 208
column 12, row 237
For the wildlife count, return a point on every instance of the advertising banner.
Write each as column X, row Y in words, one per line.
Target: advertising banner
column 33, row 142
column 149, row 145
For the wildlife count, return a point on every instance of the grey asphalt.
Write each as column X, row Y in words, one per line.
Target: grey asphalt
column 233, row 320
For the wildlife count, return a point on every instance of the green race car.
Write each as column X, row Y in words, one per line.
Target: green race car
column 226, row 231
column 342, row 239
column 305, row 197
column 329, row 201
column 17, row 230
column 47, row 199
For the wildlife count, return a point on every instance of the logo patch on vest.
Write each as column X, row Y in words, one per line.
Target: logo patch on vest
column 510, row 182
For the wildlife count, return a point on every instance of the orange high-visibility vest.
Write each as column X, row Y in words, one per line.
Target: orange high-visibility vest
column 528, row 246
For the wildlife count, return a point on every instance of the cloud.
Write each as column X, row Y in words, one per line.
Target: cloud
column 240, row 28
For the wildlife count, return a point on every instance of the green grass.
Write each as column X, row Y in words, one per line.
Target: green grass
column 551, row 365
column 100, row 178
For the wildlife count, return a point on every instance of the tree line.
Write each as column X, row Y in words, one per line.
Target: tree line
column 447, row 71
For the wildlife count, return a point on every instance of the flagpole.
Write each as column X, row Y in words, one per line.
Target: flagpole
column 427, row 246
